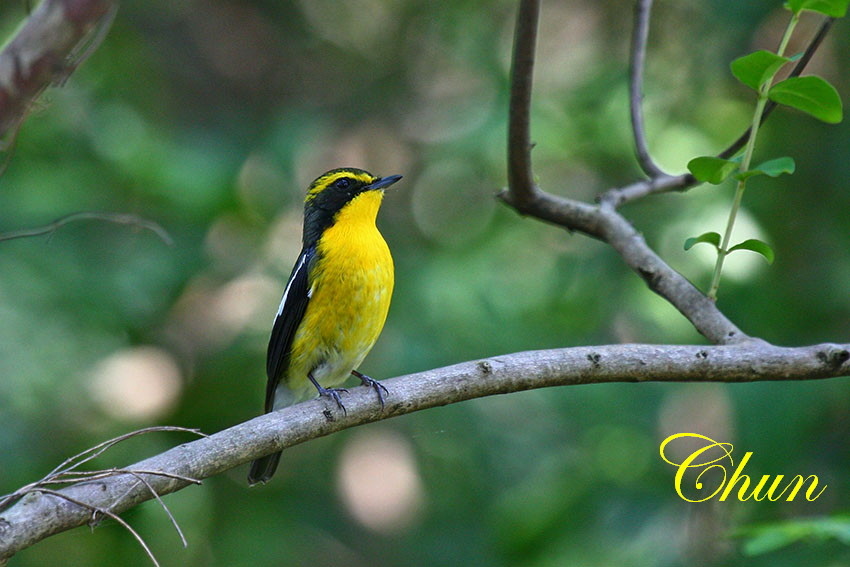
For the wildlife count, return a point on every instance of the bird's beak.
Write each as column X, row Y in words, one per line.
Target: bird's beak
column 382, row 183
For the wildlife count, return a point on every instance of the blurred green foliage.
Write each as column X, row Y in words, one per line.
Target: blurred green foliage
column 211, row 117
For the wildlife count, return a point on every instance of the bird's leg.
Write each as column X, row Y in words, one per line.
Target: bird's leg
column 374, row 384
column 332, row 393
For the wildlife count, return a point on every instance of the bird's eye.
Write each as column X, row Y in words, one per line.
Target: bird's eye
column 343, row 183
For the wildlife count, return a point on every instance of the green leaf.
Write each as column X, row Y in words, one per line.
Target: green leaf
column 832, row 8
column 708, row 237
column 810, row 94
column 757, row 246
column 761, row 539
column 709, row 169
column 757, row 68
column 771, row 168
column 769, row 540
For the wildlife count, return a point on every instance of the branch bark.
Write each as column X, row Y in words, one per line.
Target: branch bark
column 53, row 41
column 39, row 515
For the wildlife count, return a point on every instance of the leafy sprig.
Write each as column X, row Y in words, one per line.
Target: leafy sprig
column 811, row 94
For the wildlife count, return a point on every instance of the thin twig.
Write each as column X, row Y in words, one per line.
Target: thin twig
column 619, row 196
column 95, row 510
column 640, row 36
column 63, row 474
column 86, row 46
column 118, row 218
column 91, row 476
column 92, row 452
column 158, row 498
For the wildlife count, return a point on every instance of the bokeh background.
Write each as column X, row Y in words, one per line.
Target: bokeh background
column 210, row 117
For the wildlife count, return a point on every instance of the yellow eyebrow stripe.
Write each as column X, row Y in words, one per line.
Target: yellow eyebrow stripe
column 330, row 177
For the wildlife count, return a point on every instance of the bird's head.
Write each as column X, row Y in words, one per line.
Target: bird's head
column 347, row 190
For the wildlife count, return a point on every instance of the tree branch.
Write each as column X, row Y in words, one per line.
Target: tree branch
column 701, row 311
column 520, row 174
column 53, row 41
column 619, row 196
column 39, row 515
column 640, row 36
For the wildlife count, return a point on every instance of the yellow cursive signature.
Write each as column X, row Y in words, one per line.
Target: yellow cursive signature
column 711, row 457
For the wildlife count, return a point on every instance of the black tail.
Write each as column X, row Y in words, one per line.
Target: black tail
column 263, row 469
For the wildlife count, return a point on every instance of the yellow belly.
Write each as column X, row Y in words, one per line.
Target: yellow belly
column 351, row 289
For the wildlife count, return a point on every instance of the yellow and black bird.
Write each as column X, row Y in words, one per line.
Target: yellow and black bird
column 336, row 300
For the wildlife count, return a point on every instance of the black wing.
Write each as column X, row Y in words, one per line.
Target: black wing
column 289, row 316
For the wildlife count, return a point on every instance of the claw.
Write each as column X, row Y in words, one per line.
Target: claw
column 332, row 393
column 379, row 388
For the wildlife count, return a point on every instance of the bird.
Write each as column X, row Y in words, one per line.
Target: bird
column 336, row 300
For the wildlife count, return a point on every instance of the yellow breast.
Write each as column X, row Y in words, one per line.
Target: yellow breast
column 351, row 287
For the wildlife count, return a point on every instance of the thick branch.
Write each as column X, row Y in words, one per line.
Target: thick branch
column 701, row 311
column 606, row 224
column 45, row 50
column 40, row 515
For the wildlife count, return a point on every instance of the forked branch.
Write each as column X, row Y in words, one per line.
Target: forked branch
column 661, row 182
column 601, row 220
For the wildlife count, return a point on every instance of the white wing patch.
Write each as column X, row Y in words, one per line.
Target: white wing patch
column 302, row 261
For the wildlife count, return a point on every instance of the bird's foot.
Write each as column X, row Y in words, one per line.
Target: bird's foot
column 374, row 384
column 334, row 394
